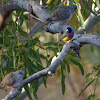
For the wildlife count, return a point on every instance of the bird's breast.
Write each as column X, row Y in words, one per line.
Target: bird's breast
column 66, row 39
column 70, row 35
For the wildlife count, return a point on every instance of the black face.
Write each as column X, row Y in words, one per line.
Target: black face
column 69, row 30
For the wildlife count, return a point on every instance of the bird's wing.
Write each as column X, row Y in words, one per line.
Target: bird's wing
column 64, row 35
column 61, row 13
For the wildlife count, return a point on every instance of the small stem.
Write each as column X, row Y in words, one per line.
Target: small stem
column 95, row 87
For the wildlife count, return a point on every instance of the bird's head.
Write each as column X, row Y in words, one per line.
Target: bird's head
column 75, row 7
column 70, row 32
column 20, row 73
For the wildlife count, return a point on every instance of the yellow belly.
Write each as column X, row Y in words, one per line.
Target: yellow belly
column 66, row 39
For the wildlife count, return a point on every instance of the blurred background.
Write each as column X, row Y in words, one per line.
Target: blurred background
column 18, row 51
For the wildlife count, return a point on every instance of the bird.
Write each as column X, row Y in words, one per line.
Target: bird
column 12, row 80
column 68, row 34
column 63, row 13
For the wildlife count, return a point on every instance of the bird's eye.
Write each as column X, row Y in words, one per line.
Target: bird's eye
column 69, row 30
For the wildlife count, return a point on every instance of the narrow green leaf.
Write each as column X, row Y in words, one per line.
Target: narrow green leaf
column 63, row 70
column 33, row 59
column 52, row 48
column 49, row 62
column 28, row 92
column 90, row 97
column 50, row 2
column 45, row 81
column 87, row 6
column 87, row 76
column 28, row 51
column 23, row 33
column 78, row 64
column 77, row 1
column 52, row 44
column 35, row 86
column 80, row 17
column 59, row 1
column 68, row 67
column 86, row 86
column 14, row 59
column 38, row 57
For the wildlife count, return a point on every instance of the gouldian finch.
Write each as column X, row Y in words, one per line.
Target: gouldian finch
column 63, row 13
column 12, row 79
column 68, row 34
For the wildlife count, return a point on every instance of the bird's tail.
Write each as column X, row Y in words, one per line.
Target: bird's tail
column 36, row 27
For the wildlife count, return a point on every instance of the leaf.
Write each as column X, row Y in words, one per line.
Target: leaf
column 14, row 59
column 52, row 48
column 35, row 61
column 28, row 51
column 32, row 68
column 63, row 70
column 45, row 81
column 86, row 86
column 50, row 2
column 80, row 17
column 28, row 92
column 49, row 62
column 78, row 64
column 32, row 43
column 68, row 67
column 77, row 1
column 90, row 97
column 38, row 57
column 85, row 12
column 87, row 6
column 35, row 86
column 44, row 57
column 36, row 39
column 23, row 33
column 87, row 76
column 52, row 44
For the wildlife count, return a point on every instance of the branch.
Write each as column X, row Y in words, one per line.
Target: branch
column 90, row 21
column 31, row 6
column 75, row 43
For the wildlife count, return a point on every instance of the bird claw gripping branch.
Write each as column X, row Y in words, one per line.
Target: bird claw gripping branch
column 76, row 48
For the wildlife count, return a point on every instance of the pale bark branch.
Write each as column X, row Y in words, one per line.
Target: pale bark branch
column 31, row 6
column 81, row 39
